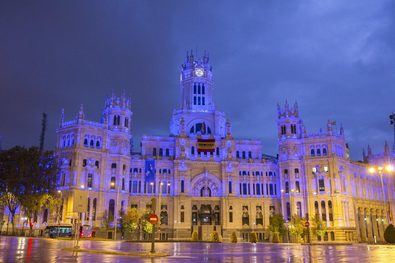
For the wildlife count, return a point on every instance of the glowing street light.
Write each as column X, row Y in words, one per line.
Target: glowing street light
column 380, row 169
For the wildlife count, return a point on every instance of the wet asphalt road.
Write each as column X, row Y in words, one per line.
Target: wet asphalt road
column 19, row 249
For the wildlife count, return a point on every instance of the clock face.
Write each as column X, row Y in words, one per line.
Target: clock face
column 199, row 72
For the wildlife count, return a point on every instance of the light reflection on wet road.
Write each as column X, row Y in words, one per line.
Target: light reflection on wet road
column 13, row 249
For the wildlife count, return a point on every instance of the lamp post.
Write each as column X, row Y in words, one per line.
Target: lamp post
column 379, row 169
column 59, row 211
column 116, row 210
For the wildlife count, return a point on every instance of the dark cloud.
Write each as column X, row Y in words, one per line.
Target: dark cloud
column 336, row 58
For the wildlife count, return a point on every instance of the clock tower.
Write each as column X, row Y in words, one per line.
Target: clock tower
column 197, row 107
column 196, row 84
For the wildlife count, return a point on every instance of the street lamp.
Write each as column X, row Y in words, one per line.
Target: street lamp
column 380, row 169
column 116, row 210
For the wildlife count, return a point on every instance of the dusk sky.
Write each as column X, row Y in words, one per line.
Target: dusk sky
column 336, row 58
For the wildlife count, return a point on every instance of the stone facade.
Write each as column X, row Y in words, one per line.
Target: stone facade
column 205, row 180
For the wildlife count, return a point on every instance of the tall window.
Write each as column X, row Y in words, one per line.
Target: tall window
column 112, row 183
column 90, row 180
column 182, row 186
column 297, row 186
column 293, row 129
column 193, row 150
column 126, row 122
column 94, row 204
column 323, row 210
column 330, row 210
column 286, row 187
column 321, row 185
column 299, row 209
column 111, row 210
column 230, row 187
column 283, row 130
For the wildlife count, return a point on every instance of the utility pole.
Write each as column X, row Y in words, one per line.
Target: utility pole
column 392, row 122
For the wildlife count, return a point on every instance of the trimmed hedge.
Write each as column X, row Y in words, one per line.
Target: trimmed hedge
column 389, row 234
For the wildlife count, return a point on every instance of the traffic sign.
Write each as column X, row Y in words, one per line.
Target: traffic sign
column 153, row 219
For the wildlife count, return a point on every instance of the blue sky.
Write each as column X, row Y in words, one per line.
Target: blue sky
column 336, row 58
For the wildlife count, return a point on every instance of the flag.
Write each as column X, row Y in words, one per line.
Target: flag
column 206, row 145
column 150, row 170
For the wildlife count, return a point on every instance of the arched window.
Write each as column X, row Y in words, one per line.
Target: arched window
column 86, row 142
column 299, row 209
column 312, row 152
column 333, row 236
column 288, row 211
column 112, row 183
column 88, row 209
column 63, row 179
column 318, row 152
column 160, row 152
column 243, row 154
column 323, row 211
column 111, row 210
column 90, row 180
column 127, row 122
column 97, row 144
column 330, row 210
column 91, row 143
column 297, row 187
column 192, row 150
column 115, row 120
column 316, row 210
column 123, row 184
column 94, row 209
column 324, row 151
column 286, row 187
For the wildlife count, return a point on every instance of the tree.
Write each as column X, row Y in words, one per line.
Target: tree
column 233, row 237
column 194, row 236
column 297, row 227
column 130, row 220
column 8, row 200
column 319, row 227
column 147, row 227
column 389, row 234
column 276, row 226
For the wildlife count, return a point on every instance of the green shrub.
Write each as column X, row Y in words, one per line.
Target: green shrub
column 233, row 237
column 214, row 237
column 389, row 234
column 253, row 237
column 194, row 236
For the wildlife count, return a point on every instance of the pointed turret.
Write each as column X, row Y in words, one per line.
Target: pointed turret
column 341, row 130
column 61, row 118
column 369, row 151
column 228, row 130
column 81, row 114
column 364, row 157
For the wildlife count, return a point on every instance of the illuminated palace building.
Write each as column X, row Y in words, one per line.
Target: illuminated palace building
column 204, row 179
